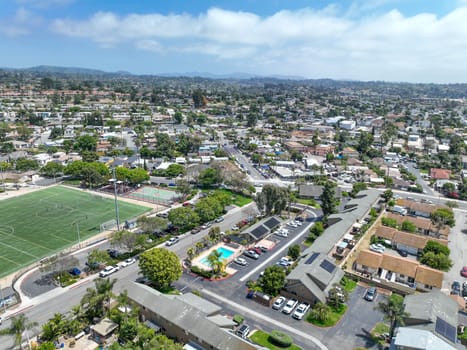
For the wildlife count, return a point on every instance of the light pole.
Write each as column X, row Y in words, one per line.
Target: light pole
column 115, row 197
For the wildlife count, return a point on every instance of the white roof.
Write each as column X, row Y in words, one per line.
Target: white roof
column 420, row 339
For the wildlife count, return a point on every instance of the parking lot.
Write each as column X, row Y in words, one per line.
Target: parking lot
column 353, row 329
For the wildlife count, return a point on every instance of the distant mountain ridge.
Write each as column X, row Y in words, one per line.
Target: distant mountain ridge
column 91, row 71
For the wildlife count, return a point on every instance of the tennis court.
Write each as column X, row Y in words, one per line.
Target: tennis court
column 154, row 195
column 38, row 224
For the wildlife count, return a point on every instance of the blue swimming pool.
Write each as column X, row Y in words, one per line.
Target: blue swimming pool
column 225, row 254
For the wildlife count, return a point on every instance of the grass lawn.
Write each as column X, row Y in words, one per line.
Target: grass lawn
column 262, row 338
column 334, row 316
column 378, row 329
column 41, row 223
column 349, row 285
column 237, row 199
column 310, row 202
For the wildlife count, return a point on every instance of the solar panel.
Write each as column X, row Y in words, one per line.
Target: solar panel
column 446, row 330
column 311, row 258
column 328, row 266
column 271, row 223
column 259, row 231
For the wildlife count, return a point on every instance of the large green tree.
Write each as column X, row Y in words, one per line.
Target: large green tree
column 151, row 224
column 443, row 216
column 209, row 177
column 273, row 199
column 184, row 218
column 328, row 199
column 160, row 266
column 273, row 280
column 52, row 169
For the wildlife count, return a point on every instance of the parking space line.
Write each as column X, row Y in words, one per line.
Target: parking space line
column 257, row 315
column 273, row 256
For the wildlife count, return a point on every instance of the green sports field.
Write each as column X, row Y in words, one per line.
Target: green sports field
column 41, row 223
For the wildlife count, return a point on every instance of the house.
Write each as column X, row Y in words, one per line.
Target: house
column 313, row 277
column 350, row 152
column 424, row 226
column 408, row 242
column 431, row 323
column 314, row 191
column 103, row 331
column 321, row 150
column 440, row 174
column 317, row 272
column 188, row 318
column 395, row 269
column 414, row 208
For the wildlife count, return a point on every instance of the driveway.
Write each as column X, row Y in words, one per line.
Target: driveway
column 457, row 244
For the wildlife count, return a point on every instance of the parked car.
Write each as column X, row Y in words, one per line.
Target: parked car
column 456, row 286
column 281, row 233
column 195, row 230
column 257, row 250
column 128, row 262
column 240, row 261
column 301, row 310
column 206, row 225
column 251, row 254
column 235, row 228
column 377, row 247
column 370, row 294
column 219, row 219
column 243, row 330
column 172, row 241
column 75, row 271
column 107, row 271
column 402, row 252
column 263, row 248
column 289, row 306
column 279, row 303
column 464, row 271
column 113, row 253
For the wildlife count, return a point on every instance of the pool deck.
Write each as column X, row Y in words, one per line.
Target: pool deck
column 237, row 252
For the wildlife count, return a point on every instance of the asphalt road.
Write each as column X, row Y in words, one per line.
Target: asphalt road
column 427, row 189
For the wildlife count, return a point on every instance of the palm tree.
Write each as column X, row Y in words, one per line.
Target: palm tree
column 104, row 289
column 19, row 325
column 394, row 312
column 215, row 261
column 321, row 312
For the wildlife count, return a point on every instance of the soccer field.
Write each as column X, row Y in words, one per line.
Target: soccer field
column 41, row 223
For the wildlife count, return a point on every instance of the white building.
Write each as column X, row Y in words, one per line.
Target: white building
column 348, row 124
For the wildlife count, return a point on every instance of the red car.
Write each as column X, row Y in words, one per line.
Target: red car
column 464, row 271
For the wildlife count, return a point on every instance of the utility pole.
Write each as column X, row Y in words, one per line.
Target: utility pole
column 115, row 197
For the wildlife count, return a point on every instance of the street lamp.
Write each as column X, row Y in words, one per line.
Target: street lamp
column 115, row 197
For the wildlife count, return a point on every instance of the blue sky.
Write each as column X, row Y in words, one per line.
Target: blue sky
column 391, row 40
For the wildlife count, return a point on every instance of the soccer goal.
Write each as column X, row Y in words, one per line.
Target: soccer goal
column 109, row 225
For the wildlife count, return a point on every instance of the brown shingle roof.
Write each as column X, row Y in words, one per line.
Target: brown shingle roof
column 410, row 239
column 429, row 276
column 417, row 206
column 399, row 265
column 385, row 232
column 439, row 174
column 370, row 259
column 422, row 223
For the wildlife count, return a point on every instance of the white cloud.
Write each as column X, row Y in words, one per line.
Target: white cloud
column 307, row 42
column 20, row 24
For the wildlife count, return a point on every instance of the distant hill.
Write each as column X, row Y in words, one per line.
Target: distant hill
column 71, row 70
